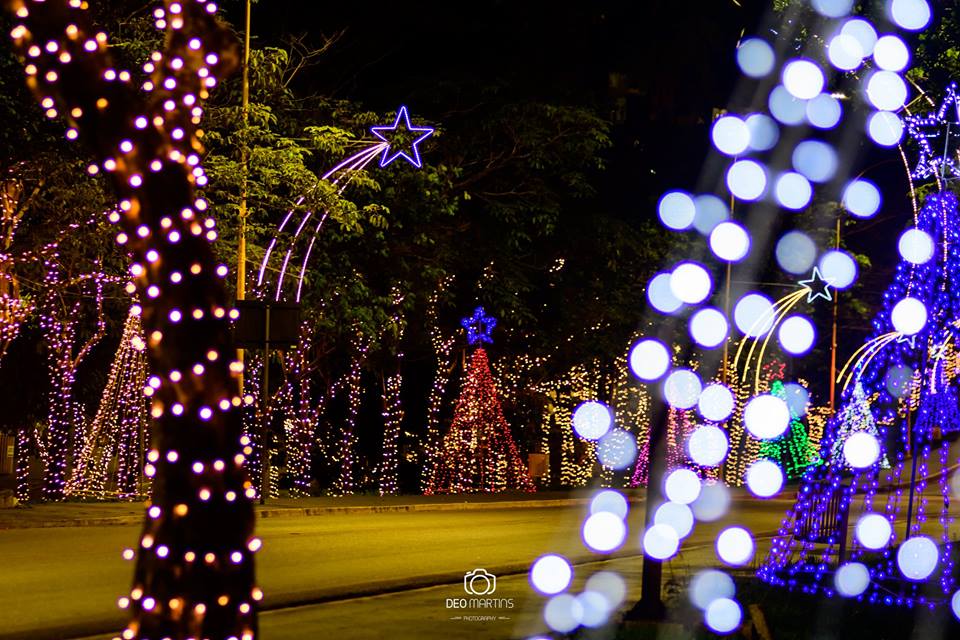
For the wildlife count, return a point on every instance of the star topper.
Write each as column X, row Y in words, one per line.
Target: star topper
column 911, row 340
column 817, row 286
column 397, row 145
column 935, row 127
column 479, row 326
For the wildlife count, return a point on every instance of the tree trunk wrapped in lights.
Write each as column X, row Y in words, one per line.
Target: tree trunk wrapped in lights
column 194, row 572
column 478, row 453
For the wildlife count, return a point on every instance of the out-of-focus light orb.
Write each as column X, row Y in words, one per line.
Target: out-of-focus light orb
column 708, row 327
column 796, row 252
column 803, row 78
column 764, row 478
column 610, row 585
column 723, row 615
column 897, row 380
column 649, row 359
column 845, row 52
column 873, row 531
column 747, row 179
column 785, row 107
column 764, row 133
column 796, row 335
column 824, row 111
column 917, row 558
column 609, row 501
column 596, row 609
column 916, row 246
column 766, row 417
column 754, row 315
column 661, row 295
column 682, row 388
column 709, row 585
column 891, row 54
column 796, row 397
column 816, row 160
column 603, row 532
column 839, row 268
column 955, row 604
column 676, row 210
column 861, row 198
column 690, row 282
column 730, row 135
column 711, row 211
column 912, row 15
column 617, row 449
column 682, row 486
column 793, row 191
column 676, row 516
column 861, row 450
column 712, row 503
column 832, row 8
column 716, row 402
column 735, row 546
column 563, row 613
column 550, row 574
column 730, row 242
column 755, row 57
column 885, row 128
column 661, row 542
column 909, row 316
column 863, row 32
column 708, row 445
column 851, row 579
column 592, row 420
column 886, row 90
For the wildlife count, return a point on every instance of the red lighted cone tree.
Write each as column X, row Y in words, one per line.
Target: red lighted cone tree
column 479, row 454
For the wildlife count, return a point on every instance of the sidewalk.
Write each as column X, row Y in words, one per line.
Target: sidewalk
column 97, row 514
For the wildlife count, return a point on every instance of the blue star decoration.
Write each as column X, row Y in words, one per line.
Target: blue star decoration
column 479, row 326
column 935, row 127
column 817, row 286
column 394, row 133
column 911, row 340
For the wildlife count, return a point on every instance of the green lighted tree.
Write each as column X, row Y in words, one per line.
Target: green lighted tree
column 793, row 450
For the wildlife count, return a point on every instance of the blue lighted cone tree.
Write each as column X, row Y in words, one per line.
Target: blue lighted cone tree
column 901, row 385
column 478, row 453
column 194, row 574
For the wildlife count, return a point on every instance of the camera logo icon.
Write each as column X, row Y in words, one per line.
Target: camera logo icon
column 479, row 582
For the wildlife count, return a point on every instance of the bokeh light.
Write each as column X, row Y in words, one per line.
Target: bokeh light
column 661, row 542
column 677, row 516
column 690, row 282
column 711, row 211
column 617, row 449
column 682, row 486
column 595, row 608
column 764, row 478
column 764, row 132
column 766, row 417
column 796, row 252
column 661, row 295
column 909, row 316
column 839, row 268
column 785, row 107
column 912, row 15
column 604, row 531
column 861, row 198
column 730, row 242
column 897, row 380
column 708, row 327
column 755, row 57
column 816, row 160
column 916, row 246
column 550, row 574
column 891, row 53
column 730, row 135
column 723, row 615
column 712, row 503
column 803, row 78
column 754, row 315
column 563, row 613
column 708, row 445
column 709, row 585
column 885, row 128
column 861, row 450
column 886, row 90
column 747, row 180
column 796, row 335
column 609, row 501
column 845, row 52
column 851, row 579
column 682, row 388
column 832, row 8
column 861, row 31
column 592, row 420
column 649, row 359
column 873, row 531
column 917, row 558
column 796, row 398
column 793, row 191
column 676, row 210
column 824, row 111
column 610, row 585
column 735, row 546
column 716, row 402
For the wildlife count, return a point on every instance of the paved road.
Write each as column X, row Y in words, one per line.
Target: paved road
column 63, row 582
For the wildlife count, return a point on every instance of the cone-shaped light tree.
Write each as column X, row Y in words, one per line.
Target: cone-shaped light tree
column 478, row 453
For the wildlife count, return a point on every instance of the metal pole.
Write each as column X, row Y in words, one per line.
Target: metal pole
column 265, row 426
column 245, row 165
column 913, row 472
column 833, row 341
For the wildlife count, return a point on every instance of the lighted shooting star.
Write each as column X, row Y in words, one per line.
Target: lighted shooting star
column 399, row 140
column 769, row 321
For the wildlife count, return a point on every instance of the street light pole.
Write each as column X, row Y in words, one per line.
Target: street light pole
column 245, row 165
